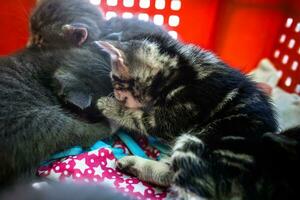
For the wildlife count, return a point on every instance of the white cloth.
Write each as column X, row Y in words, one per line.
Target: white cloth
column 287, row 105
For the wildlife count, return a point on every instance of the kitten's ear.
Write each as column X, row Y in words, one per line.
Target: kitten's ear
column 76, row 33
column 72, row 91
column 115, row 54
column 80, row 99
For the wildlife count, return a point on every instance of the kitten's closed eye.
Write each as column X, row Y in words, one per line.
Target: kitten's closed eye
column 117, row 79
column 121, row 84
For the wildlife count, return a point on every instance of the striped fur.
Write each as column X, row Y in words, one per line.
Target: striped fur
column 192, row 102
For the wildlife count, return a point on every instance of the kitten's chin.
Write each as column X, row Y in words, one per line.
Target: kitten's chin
column 126, row 98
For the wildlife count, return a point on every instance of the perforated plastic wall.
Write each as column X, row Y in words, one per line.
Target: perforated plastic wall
column 241, row 32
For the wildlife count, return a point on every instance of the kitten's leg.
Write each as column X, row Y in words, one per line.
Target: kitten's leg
column 188, row 173
column 70, row 130
column 156, row 172
column 42, row 132
column 192, row 175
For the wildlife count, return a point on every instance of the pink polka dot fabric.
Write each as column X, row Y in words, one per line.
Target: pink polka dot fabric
column 99, row 166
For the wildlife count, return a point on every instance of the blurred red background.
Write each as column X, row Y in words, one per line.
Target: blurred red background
column 241, row 32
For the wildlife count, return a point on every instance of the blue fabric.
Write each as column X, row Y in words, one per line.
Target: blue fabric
column 118, row 152
column 162, row 148
column 131, row 144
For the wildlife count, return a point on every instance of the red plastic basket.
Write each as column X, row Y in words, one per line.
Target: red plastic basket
column 241, row 32
column 286, row 55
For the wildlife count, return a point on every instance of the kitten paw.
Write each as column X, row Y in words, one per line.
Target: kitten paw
column 107, row 105
column 151, row 171
column 128, row 165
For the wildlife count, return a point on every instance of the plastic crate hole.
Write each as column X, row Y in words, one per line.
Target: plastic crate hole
column 297, row 89
column 297, row 28
column 95, row 2
column 288, row 81
column 282, row 38
column 279, row 74
column 127, row 15
column 111, row 2
column 174, row 34
column 174, row 20
column 143, row 16
column 110, row 15
column 285, row 59
column 291, row 43
column 128, row 3
column 160, row 4
column 158, row 19
column 276, row 53
column 144, row 3
column 175, row 4
column 289, row 22
column 294, row 66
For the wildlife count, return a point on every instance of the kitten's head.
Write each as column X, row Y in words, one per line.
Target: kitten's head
column 82, row 78
column 64, row 23
column 138, row 67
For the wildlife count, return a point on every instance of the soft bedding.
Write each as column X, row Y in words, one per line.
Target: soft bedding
column 98, row 165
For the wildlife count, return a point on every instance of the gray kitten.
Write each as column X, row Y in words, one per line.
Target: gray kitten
column 64, row 24
column 34, row 122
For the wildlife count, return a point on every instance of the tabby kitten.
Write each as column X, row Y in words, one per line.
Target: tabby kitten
column 213, row 117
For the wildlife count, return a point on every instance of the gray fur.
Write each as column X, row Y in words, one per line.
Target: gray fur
column 33, row 122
